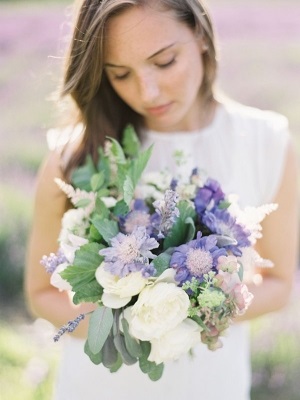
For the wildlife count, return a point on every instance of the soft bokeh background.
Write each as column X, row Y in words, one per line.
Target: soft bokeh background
column 259, row 65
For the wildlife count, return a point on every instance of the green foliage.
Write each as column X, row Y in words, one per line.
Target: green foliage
column 184, row 227
column 100, row 325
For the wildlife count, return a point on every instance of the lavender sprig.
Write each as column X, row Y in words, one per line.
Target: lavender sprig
column 52, row 261
column 69, row 327
column 167, row 211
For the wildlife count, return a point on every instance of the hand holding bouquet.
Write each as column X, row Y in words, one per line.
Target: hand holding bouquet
column 162, row 258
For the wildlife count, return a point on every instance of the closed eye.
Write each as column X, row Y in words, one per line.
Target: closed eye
column 121, row 77
column 168, row 64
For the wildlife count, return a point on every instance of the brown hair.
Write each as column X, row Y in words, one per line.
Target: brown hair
column 99, row 109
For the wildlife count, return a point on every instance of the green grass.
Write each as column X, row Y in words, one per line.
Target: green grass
column 27, row 363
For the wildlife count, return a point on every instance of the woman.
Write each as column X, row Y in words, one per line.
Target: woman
column 153, row 64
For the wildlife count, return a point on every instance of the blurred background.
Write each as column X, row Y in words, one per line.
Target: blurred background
column 259, row 43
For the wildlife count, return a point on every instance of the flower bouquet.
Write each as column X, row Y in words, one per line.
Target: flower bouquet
column 161, row 258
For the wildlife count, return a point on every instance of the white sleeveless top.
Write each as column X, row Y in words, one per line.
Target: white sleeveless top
column 244, row 149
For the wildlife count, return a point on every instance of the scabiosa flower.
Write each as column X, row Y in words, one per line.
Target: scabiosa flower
column 167, row 211
column 130, row 253
column 52, row 261
column 208, row 196
column 196, row 258
column 222, row 222
column 138, row 216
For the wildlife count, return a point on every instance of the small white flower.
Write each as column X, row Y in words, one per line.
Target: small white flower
column 118, row 291
column 57, row 281
column 72, row 244
column 74, row 221
column 176, row 342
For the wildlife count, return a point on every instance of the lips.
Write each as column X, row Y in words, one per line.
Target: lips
column 159, row 110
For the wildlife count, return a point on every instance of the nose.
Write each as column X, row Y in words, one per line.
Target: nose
column 149, row 89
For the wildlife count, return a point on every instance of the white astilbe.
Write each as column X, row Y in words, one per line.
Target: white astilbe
column 112, row 158
column 76, row 195
column 251, row 217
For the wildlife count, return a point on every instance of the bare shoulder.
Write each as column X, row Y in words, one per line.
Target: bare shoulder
column 48, row 194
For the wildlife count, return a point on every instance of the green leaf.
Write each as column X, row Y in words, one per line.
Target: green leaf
column 130, row 141
column 89, row 293
column 183, row 227
column 139, row 164
column 146, row 366
column 82, row 203
column 199, row 321
column 224, row 204
column 110, row 354
column 97, row 181
column 156, row 373
column 101, row 209
column 117, row 365
column 161, row 263
column 88, row 256
column 95, row 358
column 191, row 229
column 121, row 208
column 94, row 235
column 100, row 325
column 87, row 260
column 107, row 228
column 117, row 151
column 119, row 342
column 241, row 272
column 132, row 344
column 128, row 190
column 81, row 176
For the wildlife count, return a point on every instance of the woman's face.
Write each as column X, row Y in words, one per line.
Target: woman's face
column 154, row 63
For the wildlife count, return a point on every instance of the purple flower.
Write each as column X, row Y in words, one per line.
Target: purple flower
column 221, row 222
column 130, row 253
column 167, row 211
column 137, row 217
column 196, row 258
column 208, row 196
column 52, row 261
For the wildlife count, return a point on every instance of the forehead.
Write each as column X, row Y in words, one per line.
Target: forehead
column 141, row 31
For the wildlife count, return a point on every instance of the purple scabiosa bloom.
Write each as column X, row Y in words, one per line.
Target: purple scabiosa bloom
column 129, row 253
column 138, row 216
column 221, row 222
column 196, row 258
column 208, row 196
column 167, row 211
column 52, row 261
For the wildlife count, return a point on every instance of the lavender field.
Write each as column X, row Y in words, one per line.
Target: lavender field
column 259, row 53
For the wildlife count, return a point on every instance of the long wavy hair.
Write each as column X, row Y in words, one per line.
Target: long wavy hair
column 99, row 110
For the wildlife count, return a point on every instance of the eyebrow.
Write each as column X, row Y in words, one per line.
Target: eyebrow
column 149, row 58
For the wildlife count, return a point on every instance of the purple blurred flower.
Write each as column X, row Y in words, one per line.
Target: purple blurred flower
column 221, row 222
column 130, row 253
column 52, row 261
column 137, row 217
column 208, row 196
column 196, row 258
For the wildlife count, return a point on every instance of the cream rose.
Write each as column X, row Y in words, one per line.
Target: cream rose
column 74, row 221
column 118, row 291
column 176, row 342
column 159, row 309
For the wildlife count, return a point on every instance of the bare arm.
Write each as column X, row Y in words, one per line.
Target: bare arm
column 279, row 243
column 44, row 300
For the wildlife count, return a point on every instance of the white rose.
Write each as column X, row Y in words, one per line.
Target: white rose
column 118, row 291
column 57, row 281
column 159, row 308
column 176, row 342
